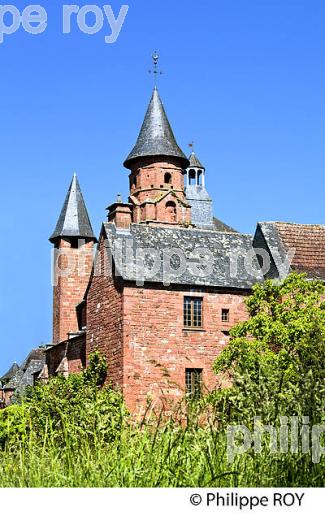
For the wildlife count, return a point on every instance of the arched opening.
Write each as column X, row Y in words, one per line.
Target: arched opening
column 192, row 178
column 171, row 211
column 74, row 242
column 199, row 177
column 167, row 178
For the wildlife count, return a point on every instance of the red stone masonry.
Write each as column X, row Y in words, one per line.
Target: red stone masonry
column 72, row 268
column 74, row 350
column 158, row 348
column 157, row 192
column 105, row 316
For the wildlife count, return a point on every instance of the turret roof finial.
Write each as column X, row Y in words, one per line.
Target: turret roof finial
column 191, row 145
column 155, row 71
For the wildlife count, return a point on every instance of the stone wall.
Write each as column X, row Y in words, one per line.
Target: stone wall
column 72, row 268
column 158, row 348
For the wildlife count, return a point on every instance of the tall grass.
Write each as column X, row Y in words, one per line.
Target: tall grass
column 168, row 455
column 75, row 432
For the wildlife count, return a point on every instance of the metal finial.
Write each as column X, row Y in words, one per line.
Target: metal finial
column 155, row 58
column 119, row 198
column 155, row 71
column 191, row 145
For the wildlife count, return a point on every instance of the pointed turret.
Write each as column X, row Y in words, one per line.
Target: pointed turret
column 73, row 220
column 156, row 137
column 73, row 241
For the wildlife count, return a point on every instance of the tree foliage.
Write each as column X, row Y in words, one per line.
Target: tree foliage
column 275, row 359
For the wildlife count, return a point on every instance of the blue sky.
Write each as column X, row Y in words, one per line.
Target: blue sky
column 244, row 79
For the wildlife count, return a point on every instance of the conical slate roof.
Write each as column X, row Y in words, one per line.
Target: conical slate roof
column 11, row 372
column 156, row 136
column 73, row 220
column 194, row 161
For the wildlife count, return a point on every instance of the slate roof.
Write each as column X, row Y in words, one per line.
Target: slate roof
column 37, row 354
column 221, row 264
column 305, row 241
column 195, row 162
column 221, row 226
column 14, row 381
column 156, row 136
column 74, row 219
column 11, row 372
column 24, row 376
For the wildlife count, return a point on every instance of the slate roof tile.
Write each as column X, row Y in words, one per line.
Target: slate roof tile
column 221, row 262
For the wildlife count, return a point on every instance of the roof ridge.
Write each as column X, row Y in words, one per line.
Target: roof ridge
column 205, row 230
column 289, row 223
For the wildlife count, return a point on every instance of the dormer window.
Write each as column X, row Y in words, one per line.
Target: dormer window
column 168, row 178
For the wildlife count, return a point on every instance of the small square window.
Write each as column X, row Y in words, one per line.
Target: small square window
column 193, row 382
column 225, row 315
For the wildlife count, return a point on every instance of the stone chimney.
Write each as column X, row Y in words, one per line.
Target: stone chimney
column 120, row 213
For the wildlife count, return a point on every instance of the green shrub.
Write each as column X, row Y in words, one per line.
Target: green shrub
column 77, row 404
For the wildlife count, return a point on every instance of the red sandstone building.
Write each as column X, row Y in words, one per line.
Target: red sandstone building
column 167, row 281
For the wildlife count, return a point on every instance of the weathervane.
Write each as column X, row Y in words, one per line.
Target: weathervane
column 191, row 145
column 155, row 71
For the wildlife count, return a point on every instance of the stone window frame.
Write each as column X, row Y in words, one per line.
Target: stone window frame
column 193, row 317
column 193, row 382
column 225, row 315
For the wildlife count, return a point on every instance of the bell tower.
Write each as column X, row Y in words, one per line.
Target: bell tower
column 197, row 195
column 73, row 240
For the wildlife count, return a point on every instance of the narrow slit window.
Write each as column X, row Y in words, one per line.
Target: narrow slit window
column 168, row 178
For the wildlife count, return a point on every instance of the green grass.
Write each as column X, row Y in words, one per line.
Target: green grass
column 164, row 456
